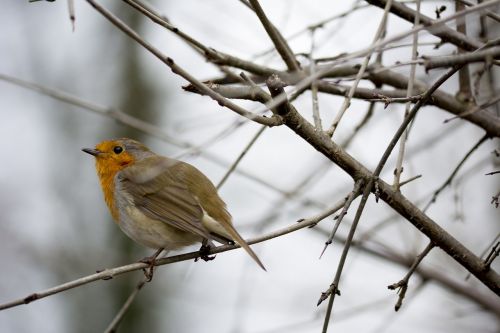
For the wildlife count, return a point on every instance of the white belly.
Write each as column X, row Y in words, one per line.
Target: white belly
column 153, row 233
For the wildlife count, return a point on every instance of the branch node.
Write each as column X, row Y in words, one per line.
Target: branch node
column 324, row 295
column 276, row 87
column 31, row 298
column 377, row 189
column 495, row 251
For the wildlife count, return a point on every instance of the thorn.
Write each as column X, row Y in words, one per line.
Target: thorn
column 324, row 248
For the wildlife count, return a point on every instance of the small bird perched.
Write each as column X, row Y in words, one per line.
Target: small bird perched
column 159, row 202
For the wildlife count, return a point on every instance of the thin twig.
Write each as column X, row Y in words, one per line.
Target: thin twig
column 489, row 13
column 180, row 71
column 306, row 82
column 347, row 141
column 112, row 327
column 71, row 12
column 161, row 20
column 388, row 100
column 495, row 251
column 426, row 96
column 279, row 42
column 334, row 288
column 461, row 59
column 455, row 249
column 464, row 89
column 409, row 180
column 240, row 156
column 440, row 99
column 445, row 33
column 402, row 285
column 386, row 323
column 110, row 273
column 314, row 87
column 426, row 273
column 317, row 25
column 347, row 99
column 350, row 198
column 382, row 49
column 495, row 200
column 475, row 109
column 485, row 251
column 136, row 123
column 454, row 172
column 409, row 92
column 113, row 113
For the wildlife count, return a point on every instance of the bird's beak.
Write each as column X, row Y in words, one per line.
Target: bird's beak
column 91, row 151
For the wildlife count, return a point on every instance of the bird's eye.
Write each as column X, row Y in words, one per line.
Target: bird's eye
column 117, row 150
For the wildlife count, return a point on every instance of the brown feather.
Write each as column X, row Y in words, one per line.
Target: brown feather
column 179, row 194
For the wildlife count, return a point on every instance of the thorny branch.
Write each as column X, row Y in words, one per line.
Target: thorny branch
column 396, row 200
column 317, row 78
column 402, row 285
column 284, row 111
column 349, row 199
column 110, row 273
column 409, row 92
column 454, row 173
column 113, row 325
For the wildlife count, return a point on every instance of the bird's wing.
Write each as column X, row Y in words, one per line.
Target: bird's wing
column 161, row 193
column 169, row 190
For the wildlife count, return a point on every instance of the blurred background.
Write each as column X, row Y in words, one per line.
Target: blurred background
column 55, row 227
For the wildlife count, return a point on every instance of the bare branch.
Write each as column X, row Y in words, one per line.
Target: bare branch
column 402, row 285
column 359, row 75
column 475, row 109
column 461, row 59
column 409, row 180
column 396, row 200
column 484, row 300
column 410, row 117
column 495, row 251
column 181, row 72
column 495, row 200
column 447, row 34
column 110, row 273
column 112, row 327
column 71, row 12
column 314, row 87
column 464, row 93
column 453, row 174
column 350, row 198
column 336, row 280
column 240, row 156
column 278, row 40
column 489, row 13
column 409, row 92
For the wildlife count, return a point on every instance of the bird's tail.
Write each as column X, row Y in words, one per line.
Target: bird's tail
column 225, row 229
column 241, row 242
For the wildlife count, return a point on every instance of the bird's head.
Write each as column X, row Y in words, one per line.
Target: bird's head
column 114, row 155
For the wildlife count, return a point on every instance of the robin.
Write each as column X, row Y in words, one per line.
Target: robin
column 160, row 202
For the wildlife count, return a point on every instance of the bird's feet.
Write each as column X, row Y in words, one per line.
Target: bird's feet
column 205, row 251
column 150, row 260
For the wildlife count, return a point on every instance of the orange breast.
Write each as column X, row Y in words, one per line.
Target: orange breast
column 107, row 175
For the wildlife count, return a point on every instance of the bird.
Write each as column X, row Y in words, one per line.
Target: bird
column 160, row 202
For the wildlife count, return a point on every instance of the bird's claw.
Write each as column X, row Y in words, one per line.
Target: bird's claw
column 205, row 253
column 148, row 271
column 151, row 261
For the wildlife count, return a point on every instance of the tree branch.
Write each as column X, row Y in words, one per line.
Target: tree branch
column 396, row 200
column 446, row 34
column 279, row 42
column 461, row 59
column 181, row 72
column 402, row 285
column 110, row 273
